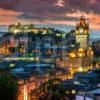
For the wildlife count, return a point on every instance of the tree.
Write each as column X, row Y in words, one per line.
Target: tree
column 8, row 87
column 56, row 95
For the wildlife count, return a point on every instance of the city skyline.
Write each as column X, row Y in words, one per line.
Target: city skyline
column 50, row 12
column 50, row 49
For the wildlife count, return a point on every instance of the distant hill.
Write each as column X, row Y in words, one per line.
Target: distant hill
column 94, row 34
column 3, row 28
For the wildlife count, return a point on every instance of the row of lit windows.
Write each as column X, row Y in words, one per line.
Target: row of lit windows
column 21, row 58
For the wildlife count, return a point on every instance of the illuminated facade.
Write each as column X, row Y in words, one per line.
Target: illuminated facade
column 28, row 85
column 82, row 58
column 27, row 28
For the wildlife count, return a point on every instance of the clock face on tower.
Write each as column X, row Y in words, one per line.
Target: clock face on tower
column 81, row 30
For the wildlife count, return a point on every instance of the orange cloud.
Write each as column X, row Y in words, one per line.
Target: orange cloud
column 60, row 3
column 8, row 16
column 92, row 18
column 12, row 17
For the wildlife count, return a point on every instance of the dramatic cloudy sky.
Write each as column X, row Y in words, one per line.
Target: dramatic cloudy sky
column 50, row 11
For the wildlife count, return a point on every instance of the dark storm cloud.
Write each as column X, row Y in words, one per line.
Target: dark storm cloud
column 41, row 17
column 47, row 9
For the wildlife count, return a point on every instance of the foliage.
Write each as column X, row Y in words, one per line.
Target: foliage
column 8, row 87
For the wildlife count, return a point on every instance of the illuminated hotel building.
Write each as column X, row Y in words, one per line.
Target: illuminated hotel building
column 82, row 58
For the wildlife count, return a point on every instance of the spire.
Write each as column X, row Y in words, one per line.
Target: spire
column 82, row 20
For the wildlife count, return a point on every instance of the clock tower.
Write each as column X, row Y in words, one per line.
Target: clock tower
column 82, row 33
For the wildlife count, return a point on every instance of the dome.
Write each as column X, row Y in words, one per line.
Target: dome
column 90, row 52
column 81, row 50
column 90, row 48
column 81, row 54
column 72, row 54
